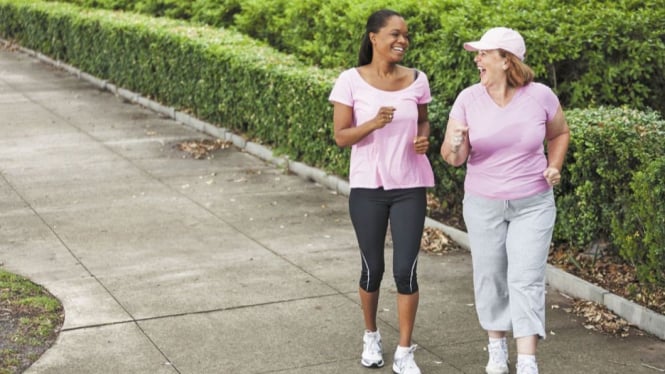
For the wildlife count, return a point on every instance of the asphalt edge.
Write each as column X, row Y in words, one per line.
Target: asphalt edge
column 635, row 314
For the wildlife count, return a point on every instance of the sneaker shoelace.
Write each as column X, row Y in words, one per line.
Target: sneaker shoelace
column 373, row 344
column 408, row 361
column 498, row 353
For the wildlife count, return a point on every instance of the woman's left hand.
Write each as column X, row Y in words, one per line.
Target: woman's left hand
column 552, row 176
column 421, row 144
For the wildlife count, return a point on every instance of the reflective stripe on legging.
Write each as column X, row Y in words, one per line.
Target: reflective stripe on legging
column 372, row 210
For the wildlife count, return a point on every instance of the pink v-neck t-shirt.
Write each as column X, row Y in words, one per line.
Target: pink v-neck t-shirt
column 507, row 157
column 386, row 157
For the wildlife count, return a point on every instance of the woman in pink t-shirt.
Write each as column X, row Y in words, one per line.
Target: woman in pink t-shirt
column 380, row 111
column 499, row 127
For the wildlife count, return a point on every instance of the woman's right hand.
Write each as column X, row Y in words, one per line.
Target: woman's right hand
column 455, row 146
column 384, row 116
column 458, row 137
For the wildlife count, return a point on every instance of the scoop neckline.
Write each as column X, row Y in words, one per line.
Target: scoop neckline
column 378, row 89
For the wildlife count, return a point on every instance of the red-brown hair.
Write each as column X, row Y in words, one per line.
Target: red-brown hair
column 519, row 74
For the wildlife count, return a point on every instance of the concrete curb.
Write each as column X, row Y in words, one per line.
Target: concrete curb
column 637, row 315
column 574, row 286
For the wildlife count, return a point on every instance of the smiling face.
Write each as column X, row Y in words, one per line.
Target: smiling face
column 392, row 40
column 492, row 67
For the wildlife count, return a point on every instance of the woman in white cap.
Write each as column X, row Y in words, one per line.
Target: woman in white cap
column 499, row 127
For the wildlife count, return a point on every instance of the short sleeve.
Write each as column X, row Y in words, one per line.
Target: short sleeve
column 547, row 99
column 458, row 111
column 342, row 91
column 425, row 96
column 551, row 104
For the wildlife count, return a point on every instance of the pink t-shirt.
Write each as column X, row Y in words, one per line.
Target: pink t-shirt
column 507, row 156
column 386, row 157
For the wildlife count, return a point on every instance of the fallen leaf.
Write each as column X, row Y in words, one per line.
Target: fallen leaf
column 435, row 241
column 200, row 149
column 599, row 318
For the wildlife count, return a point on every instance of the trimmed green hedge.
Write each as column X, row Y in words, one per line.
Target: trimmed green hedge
column 231, row 80
column 638, row 228
column 612, row 190
column 608, row 146
column 590, row 52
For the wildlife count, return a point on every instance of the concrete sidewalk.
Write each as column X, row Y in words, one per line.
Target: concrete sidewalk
column 167, row 264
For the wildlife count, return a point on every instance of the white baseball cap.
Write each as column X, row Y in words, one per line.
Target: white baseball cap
column 500, row 38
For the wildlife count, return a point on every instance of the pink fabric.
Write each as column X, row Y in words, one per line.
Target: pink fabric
column 386, row 157
column 507, row 156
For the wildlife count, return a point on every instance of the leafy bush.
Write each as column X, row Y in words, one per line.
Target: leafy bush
column 219, row 13
column 589, row 52
column 608, row 145
column 638, row 229
column 104, row 4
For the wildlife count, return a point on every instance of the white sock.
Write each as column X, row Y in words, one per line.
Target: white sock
column 526, row 358
column 497, row 341
column 401, row 351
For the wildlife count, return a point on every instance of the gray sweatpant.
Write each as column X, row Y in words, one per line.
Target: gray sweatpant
column 510, row 241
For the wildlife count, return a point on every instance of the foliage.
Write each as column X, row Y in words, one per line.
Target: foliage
column 589, row 52
column 608, row 145
column 219, row 13
column 638, row 229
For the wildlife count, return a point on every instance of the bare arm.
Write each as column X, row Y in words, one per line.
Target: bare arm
column 346, row 134
column 455, row 147
column 421, row 142
column 558, row 136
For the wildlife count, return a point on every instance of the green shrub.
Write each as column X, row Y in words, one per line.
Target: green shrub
column 177, row 9
column 638, row 229
column 607, row 146
column 104, row 4
column 617, row 58
column 589, row 52
column 216, row 12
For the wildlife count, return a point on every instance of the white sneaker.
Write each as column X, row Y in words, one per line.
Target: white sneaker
column 406, row 364
column 372, row 356
column 498, row 360
column 527, row 367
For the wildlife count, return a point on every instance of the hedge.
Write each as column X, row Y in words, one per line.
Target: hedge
column 608, row 146
column 590, row 52
column 638, row 228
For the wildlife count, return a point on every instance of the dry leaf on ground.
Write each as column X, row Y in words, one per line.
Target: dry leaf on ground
column 200, row 149
column 599, row 318
column 436, row 242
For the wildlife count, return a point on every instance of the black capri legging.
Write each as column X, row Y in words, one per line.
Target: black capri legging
column 371, row 210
